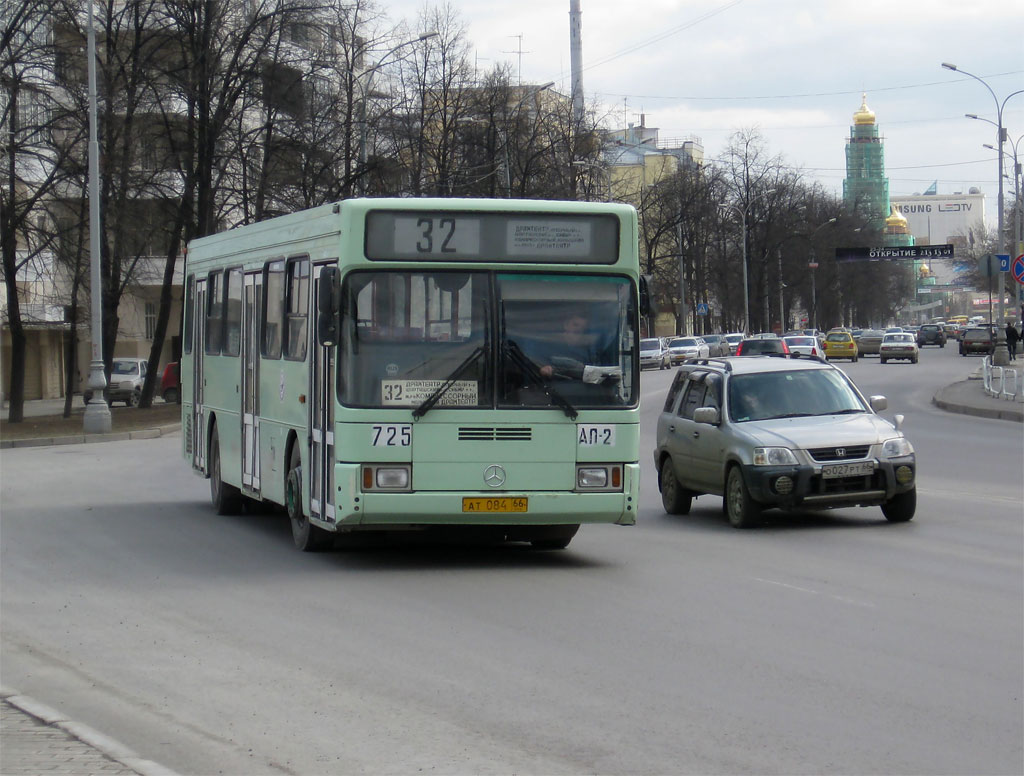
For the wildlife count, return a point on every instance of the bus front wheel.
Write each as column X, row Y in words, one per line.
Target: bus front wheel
column 307, row 536
column 227, row 499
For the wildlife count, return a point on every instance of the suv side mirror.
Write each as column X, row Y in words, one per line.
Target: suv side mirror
column 708, row 415
column 878, row 403
column 328, row 296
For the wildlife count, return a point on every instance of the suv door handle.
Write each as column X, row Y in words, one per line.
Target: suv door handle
column 671, row 428
column 696, row 435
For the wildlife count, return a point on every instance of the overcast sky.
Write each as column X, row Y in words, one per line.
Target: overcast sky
column 794, row 69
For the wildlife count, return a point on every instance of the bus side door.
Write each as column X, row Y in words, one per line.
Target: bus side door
column 198, row 381
column 251, row 314
column 321, row 421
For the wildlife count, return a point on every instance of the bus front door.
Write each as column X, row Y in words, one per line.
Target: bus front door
column 198, row 349
column 321, row 421
column 251, row 312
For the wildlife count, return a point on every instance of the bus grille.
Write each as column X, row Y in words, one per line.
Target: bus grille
column 491, row 434
column 839, row 453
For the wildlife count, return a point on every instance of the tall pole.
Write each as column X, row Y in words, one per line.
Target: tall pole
column 746, row 285
column 782, row 308
column 97, row 412
column 369, row 73
column 1001, row 356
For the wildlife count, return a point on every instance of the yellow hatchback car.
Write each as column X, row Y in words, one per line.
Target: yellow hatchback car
column 840, row 344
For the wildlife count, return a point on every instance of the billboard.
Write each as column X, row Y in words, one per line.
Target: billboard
column 943, row 218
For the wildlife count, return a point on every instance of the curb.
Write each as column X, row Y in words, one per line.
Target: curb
column 942, row 403
column 79, row 439
column 85, row 734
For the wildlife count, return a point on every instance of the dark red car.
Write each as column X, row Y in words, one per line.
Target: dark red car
column 170, row 383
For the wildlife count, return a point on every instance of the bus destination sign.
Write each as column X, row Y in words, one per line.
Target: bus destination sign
column 547, row 238
column 895, row 253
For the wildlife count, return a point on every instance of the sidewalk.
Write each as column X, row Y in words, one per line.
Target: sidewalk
column 36, row 739
column 968, row 397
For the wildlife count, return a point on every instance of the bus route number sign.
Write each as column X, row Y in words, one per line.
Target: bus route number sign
column 439, row 236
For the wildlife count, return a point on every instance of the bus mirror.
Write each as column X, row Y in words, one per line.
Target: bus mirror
column 647, row 307
column 327, row 304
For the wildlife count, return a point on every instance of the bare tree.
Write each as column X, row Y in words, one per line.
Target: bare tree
column 33, row 166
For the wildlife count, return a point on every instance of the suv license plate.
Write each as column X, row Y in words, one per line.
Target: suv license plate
column 848, row 470
column 498, row 504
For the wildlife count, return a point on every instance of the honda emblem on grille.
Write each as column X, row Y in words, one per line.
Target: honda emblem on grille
column 840, row 452
column 494, row 476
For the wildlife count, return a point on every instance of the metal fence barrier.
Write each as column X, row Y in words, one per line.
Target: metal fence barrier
column 1002, row 382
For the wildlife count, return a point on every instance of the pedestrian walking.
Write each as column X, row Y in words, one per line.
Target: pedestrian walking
column 1011, row 340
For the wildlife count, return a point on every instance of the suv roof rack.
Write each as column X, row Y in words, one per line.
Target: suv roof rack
column 719, row 361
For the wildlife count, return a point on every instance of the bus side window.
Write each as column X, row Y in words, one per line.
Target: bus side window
column 273, row 308
column 214, row 313
column 233, row 312
column 297, row 306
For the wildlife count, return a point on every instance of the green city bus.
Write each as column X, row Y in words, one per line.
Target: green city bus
column 406, row 364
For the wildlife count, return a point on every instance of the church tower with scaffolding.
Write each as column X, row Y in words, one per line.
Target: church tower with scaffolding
column 866, row 189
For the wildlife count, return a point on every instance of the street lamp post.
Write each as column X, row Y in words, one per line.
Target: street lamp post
column 1001, row 355
column 97, row 411
column 364, row 95
column 601, row 169
column 746, row 285
column 813, row 264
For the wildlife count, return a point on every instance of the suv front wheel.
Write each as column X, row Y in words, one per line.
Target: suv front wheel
column 741, row 509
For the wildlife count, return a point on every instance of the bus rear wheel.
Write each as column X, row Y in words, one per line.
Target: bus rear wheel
column 307, row 537
column 227, row 499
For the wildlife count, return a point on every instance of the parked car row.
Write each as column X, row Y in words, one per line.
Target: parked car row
column 127, row 376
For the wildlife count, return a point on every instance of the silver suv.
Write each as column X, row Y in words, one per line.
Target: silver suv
column 126, row 378
column 766, row 432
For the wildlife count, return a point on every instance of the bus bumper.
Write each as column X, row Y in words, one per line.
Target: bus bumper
column 355, row 508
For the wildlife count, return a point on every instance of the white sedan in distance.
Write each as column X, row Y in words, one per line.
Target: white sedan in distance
column 682, row 348
column 899, row 345
column 802, row 345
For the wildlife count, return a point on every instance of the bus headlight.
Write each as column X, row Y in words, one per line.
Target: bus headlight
column 599, row 477
column 389, row 477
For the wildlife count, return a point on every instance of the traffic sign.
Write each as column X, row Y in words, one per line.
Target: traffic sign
column 702, row 309
column 1004, row 261
column 1017, row 268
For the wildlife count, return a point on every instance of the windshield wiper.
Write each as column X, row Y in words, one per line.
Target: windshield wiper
column 850, row 411
column 520, row 359
column 442, row 389
column 790, row 415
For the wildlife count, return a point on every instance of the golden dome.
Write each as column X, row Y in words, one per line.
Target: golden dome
column 896, row 220
column 865, row 115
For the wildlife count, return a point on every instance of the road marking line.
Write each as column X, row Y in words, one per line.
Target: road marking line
column 853, row 601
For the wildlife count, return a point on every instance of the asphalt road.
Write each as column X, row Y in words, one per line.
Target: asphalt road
column 820, row 643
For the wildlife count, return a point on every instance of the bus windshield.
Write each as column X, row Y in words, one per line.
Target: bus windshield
column 486, row 340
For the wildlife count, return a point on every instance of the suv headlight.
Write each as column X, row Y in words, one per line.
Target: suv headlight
column 774, row 456
column 897, row 448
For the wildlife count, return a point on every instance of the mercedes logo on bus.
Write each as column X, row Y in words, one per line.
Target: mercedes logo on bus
column 494, row 476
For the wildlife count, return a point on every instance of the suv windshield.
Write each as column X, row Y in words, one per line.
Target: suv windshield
column 768, row 395
column 482, row 339
column 650, row 344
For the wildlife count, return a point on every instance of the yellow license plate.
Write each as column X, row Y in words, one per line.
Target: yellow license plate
column 498, row 504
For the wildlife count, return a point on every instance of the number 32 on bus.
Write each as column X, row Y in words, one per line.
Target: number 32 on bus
column 397, row 364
